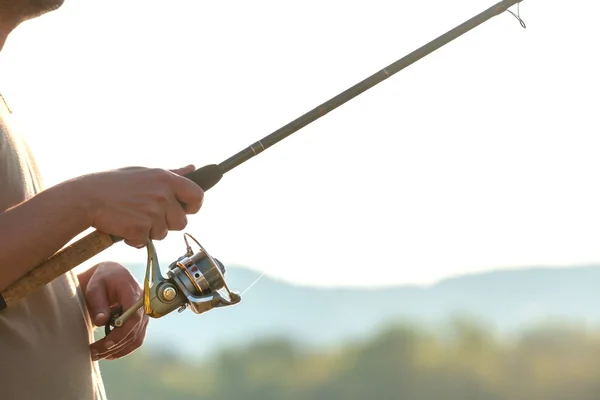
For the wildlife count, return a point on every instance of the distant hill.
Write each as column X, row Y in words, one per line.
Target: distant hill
column 505, row 300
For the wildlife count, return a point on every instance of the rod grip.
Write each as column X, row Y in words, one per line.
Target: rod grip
column 206, row 177
column 60, row 263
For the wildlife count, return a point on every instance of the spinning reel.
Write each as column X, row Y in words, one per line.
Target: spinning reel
column 195, row 280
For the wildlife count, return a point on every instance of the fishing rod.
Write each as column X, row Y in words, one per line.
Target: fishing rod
column 196, row 279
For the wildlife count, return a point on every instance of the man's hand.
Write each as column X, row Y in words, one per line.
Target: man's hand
column 135, row 204
column 111, row 285
column 138, row 203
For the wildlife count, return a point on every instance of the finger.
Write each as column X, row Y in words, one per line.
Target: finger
column 191, row 206
column 98, row 303
column 184, row 170
column 111, row 345
column 138, row 244
column 105, row 347
column 188, row 193
column 176, row 217
column 117, row 338
column 135, row 344
column 138, row 232
column 134, row 339
column 159, row 229
column 126, row 295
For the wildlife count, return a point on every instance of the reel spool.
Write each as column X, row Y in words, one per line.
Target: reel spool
column 195, row 280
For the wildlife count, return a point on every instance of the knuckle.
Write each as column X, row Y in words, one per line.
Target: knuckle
column 159, row 173
column 155, row 210
column 162, row 195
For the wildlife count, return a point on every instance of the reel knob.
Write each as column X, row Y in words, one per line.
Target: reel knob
column 169, row 293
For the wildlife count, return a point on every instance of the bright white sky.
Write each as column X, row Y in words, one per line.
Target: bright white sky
column 483, row 155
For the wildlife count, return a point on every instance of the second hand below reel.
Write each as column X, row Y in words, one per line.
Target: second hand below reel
column 194, row 280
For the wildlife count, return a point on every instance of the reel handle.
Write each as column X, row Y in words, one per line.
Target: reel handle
column 114, row 314
column 85, row 248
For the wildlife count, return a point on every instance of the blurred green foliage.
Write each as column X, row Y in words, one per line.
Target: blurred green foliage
column 464, row 361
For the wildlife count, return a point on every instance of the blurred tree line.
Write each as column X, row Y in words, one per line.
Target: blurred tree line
column 464, row 361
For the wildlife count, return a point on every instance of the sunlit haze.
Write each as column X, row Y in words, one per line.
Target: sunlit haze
column 483, row 155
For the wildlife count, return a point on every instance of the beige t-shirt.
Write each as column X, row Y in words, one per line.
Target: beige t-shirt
column 44, row 339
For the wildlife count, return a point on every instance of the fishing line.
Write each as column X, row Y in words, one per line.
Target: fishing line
column 252, row 284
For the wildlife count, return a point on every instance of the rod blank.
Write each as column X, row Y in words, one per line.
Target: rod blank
column 363, row 86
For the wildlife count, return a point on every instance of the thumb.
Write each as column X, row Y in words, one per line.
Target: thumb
column 184, row 170
column 96, row 298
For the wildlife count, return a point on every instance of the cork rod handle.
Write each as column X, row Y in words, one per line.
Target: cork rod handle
column 61, row 262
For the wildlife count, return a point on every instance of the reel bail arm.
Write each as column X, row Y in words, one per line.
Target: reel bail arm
column 194, row 280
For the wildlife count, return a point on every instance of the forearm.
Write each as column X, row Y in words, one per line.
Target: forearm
column 34, row 230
